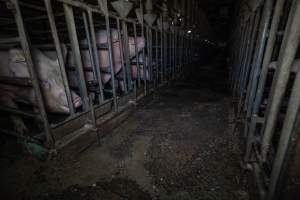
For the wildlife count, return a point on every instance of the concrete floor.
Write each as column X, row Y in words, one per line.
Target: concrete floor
column 180, row 145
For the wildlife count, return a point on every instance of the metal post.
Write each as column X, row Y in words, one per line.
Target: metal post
column 149, row 46
column 76, row 54
column 252, row 35
column 162, row 56
column 95, row 53
column 103, row 6
column 143, row 51
column 260, row 52
column 122, row 57
column 137, row 57
column 126, row 55
column 240, row 60
column 156, row 58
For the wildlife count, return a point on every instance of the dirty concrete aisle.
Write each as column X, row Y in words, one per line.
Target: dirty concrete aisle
column 180, row 145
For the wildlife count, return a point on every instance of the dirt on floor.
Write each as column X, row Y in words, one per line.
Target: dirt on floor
column 180, row 145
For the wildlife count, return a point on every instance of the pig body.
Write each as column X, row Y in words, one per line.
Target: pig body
column 13, row 64
column 103, row 55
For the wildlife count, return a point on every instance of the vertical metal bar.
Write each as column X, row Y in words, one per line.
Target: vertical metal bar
column 240, row 60
column 92, row 54
column 262, row 42
column 143, row 51
column 165, row 56
column 33, row 75
column 96, row 56
column 88, row 39
column 170, row 56
column 251, row 36
column 103, row 5
column 59, row 54
column 250, row 56
column 162, row 56
column 137, row 57
column 76, row 54
column 150, row 60
column 122, row 57
column 126, row 55
column 238, row 57
column 156, row 57
column 148, row 53
column 181, row 53
column 267, row 57
column 287, row 54
column 173, row 53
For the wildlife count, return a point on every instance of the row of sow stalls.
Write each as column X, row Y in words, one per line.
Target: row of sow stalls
column 265, row 82
column 39, row 40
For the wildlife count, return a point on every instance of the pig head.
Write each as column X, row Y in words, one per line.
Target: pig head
column 13, row 64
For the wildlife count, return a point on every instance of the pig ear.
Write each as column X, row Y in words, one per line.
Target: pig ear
column 46, row 84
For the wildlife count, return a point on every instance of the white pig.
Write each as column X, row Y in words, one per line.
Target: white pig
column 103, row 54
column 13, row 64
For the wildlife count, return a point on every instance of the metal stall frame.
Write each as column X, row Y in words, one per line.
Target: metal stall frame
column 59, row 134
column 259, row 143
column 23, row 39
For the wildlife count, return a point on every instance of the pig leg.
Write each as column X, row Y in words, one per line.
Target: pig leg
column 18, row 123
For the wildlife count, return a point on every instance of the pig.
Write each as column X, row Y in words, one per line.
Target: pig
column 134, row 71
column 103, row 54
column 13, row 64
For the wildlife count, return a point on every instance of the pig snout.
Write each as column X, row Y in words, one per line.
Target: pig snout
column 76, row 100
column 140, row 43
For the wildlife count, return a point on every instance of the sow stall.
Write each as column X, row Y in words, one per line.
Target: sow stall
column 67, row 31
column 265, row 85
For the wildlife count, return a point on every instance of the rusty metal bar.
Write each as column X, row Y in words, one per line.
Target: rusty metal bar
column 76, row 54
column 95, row 53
